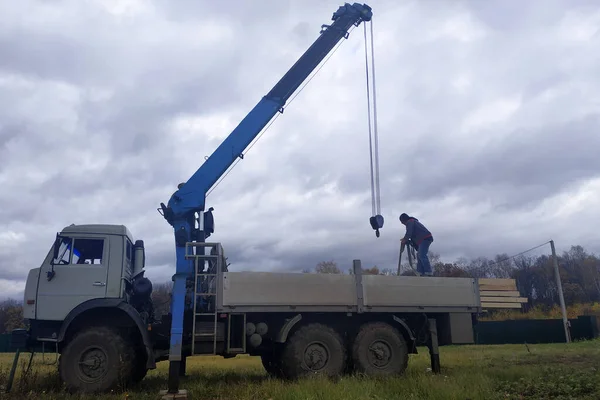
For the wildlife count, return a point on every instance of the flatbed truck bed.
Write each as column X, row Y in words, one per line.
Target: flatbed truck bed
column 302, row 292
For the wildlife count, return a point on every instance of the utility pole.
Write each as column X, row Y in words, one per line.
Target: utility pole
column 560, row 293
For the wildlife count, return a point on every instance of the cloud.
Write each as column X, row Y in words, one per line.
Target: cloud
column 487, row 116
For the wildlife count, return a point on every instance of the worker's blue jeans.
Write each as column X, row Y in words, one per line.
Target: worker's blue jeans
column 423, row 265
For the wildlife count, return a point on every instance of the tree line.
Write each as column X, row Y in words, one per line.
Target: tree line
column 534, row 275
column 579, row 274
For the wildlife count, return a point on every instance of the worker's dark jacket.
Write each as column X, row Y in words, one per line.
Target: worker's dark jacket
column 416, row 231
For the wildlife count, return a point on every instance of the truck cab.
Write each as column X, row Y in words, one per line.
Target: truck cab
column 90, row 290
column 86, row 262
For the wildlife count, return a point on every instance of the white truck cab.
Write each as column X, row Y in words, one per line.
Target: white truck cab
column 90, row 291
column 86, row 262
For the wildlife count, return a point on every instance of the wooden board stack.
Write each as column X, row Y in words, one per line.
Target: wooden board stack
column 499, row 293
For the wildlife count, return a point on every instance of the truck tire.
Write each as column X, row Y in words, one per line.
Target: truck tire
column 96, row 360
column 314, row 349
column 379, row 350
column 271, row 361
column 139, row 369
column 271, row 365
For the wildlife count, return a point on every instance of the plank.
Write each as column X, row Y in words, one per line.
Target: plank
column 504, row 299
column 501, row 305
column 499, row 293
column 506, row 288
column 497, row 281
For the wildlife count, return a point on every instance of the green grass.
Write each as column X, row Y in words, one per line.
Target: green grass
column 556, row 371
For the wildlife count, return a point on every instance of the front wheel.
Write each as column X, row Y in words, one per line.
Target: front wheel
column 96, row 360
column 139, row 369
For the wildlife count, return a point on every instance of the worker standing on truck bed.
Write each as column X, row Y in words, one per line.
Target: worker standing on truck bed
column 421, row 238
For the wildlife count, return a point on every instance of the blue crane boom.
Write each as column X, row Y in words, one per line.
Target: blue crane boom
column 190, row 198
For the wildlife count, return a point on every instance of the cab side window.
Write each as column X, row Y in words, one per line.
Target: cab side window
column 129, row 251
column 88, row 251
column 80, row 251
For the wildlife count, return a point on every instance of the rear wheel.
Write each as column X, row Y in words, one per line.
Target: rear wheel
column 314, row 349
column 96, row 360
column 379, row 350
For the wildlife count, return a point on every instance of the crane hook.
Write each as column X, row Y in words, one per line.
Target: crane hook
column 376, row 223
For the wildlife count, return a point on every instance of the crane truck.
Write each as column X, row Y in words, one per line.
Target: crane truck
column 91, row 302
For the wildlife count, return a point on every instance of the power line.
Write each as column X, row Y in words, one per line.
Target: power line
column 518, row 254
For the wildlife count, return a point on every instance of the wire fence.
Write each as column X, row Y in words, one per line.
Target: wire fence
column 499, row 266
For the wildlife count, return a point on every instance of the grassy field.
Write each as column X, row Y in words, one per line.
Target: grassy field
column 556, row 371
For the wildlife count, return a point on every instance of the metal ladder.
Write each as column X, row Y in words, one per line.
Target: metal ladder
column 200, row 275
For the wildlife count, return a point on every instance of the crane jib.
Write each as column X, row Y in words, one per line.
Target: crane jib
column 345, row 17
column 190, row 198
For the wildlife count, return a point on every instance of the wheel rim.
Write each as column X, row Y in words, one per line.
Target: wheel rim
column 379, row 354
column 92, row 364
column 316, row 356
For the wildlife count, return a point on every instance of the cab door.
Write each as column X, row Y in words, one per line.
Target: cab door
column 76, row 273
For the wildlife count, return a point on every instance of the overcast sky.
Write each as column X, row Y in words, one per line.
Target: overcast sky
column 488, row 116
